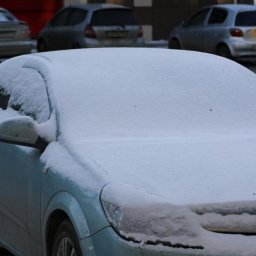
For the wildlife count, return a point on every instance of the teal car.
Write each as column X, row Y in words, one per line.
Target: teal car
column 127, row 152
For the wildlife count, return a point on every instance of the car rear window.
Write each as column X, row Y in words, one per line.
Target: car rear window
column 5, row 17
column 246, row 19
column 112, row 17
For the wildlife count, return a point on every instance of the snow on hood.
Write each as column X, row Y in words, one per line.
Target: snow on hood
column 185, row 170
column 176, row 123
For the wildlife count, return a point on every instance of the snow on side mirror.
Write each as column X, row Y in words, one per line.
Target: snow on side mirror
column 21, row 131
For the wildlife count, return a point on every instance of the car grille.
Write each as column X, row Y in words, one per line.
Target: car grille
column 228, row 219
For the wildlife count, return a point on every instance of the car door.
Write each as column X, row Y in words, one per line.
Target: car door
column 21, row 169
column 57, row 30
column 191, row 32
column 75, row 35
column 216, row 29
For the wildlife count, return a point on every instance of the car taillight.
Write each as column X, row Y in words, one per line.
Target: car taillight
column 140, row 32
column 236, row 32
column 89, row 32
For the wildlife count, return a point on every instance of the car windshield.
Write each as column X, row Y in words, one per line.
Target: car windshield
column 162, row 97
column 111, row 17
column 246, row 19
column 5, row 17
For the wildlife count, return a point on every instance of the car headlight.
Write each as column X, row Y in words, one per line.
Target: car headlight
column 145, row 218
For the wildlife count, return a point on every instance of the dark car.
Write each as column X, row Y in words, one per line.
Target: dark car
column 91, row 25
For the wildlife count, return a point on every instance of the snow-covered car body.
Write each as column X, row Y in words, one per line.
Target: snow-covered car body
column 139, row 157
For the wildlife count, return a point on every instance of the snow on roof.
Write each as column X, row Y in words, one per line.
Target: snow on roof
column 113, row 92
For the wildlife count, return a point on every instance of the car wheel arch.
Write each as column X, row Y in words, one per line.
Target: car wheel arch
column 41, row 41
column 220, row 45
column 61, row 207
column 176, row 40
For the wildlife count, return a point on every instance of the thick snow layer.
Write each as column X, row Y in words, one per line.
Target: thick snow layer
column 146, row 92
column 179, row 125
column 172, row 122
column 149, row 219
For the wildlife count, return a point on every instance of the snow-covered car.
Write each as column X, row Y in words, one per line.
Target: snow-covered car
column 135, row 158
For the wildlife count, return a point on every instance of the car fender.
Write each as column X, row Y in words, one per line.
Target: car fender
column 227, row 43
column 69, row 205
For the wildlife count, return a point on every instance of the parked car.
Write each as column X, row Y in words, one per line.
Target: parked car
column 91, row 25
column 14, row 35
column 95, row 161
column 227, row 30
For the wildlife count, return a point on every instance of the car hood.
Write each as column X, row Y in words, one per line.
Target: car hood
column 192, row 169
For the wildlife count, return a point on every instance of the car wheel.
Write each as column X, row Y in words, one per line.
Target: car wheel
column 66, row 242
column 76, row 46
column 41, row 46
column 174, row 44
column 224, row 51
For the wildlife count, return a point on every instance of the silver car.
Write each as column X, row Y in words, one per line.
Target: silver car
column 14, row 35
column 227, row 30
column 91, row 25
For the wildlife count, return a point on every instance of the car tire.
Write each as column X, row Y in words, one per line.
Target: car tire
column 76, row 46
column 174, row 44
column 224, row 51
column 66, row 242
column 41, row 46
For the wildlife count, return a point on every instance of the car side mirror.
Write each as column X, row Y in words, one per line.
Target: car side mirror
column 21, row 131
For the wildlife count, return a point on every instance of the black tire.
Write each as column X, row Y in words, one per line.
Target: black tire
column 66, row 239
column 76, row 46
column 174, row 44
column 224, row 51
column 41, row 46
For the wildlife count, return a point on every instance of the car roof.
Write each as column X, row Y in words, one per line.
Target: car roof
column 237, row 7
column 173, row 82
column 93, row 7
column 2, row 9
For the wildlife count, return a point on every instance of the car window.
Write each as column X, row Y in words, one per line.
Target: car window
column 199, row 18
column 5, row 17
column 246, row 19
column 218, row 16
column 28, row 95
column 75, row 16
column 59, row 19
column 110, row 17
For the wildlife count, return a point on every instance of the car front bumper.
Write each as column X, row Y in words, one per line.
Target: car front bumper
column 107, row 242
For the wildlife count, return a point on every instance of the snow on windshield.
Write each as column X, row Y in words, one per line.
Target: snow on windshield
column 117, row 93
